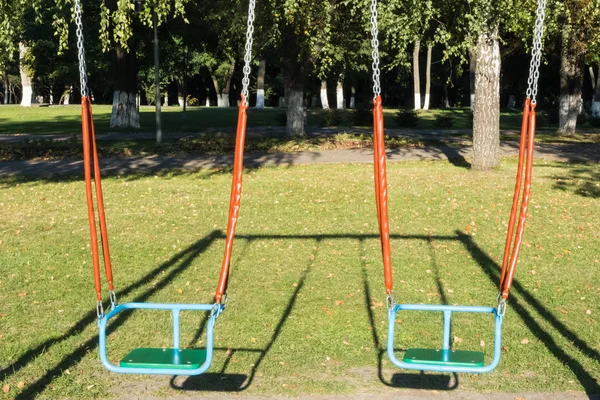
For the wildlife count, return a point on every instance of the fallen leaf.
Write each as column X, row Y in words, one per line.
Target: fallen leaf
column 180, row 291
column 67, row 372
column 505, row 349
column 253, row 340
column 90, row 386
column 525, row 341
column 21, row 385
column 457, row 339
column 5, row 388
column 229, row 351
column 482, row 343
column 23, row 294
column 339, row 302
column 588, row 312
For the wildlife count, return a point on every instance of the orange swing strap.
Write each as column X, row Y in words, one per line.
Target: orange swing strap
column 526, row 147
column 234, row 200
column 91, row 169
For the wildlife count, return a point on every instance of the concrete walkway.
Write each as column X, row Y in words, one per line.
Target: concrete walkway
column 454, row 154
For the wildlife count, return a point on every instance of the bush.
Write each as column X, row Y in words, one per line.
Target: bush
column 443, row 121
column 281, row 119
column 594, row 122
column 192, row 101
column 331, row 117
column 406, row 118
column 363, row 115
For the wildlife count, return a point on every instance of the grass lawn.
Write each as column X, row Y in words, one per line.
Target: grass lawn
column 306, row 311
column 66, row 119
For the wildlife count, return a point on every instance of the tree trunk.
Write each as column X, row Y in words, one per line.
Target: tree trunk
column 352, row 97
column 124, row 110
column 66, row 97
column 596, row 101
column 571, row 81
column 5, row 83
column 339, row 93
column 26, row 83
column 260, row 84
column 427, row 78
column 227, row 88
column 180, row 95
column 294, row 96
column 486, row 116
column 416, row 75
column 512, row 101
column 472, row 68
column 324, row 99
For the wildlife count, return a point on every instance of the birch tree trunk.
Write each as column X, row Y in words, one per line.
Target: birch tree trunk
column 227, row 88
column 416, row 75
column 294, row 97
column 339, row 93
column 427, row 78
column 571, row 81
column 260, row 84
column 472, row 68
column 26, row 83
column 352, row 97
column 5, row 83
column 124, row 109
column 486, row 115
column 596, row 101
column 324, row 99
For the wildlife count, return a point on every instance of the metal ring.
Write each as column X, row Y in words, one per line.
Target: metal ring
column 501, row 307
column 390, row 300
column 99, row 309
column 113, row 299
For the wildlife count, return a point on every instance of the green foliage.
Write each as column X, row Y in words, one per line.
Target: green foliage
column 331, row 117
column 192, row 101
column 407, row 118
column 443, row 121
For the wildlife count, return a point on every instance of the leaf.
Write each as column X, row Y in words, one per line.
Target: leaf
column 23, row 294
column 588, row 312
column 525, row 341
column 180, row 291
column 482, row 343
column 340, row 302
column 21, row 385
column 5, row 388
column 457, row 339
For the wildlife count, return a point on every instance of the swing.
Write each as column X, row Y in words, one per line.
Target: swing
column 165, row 361
column 447, row 359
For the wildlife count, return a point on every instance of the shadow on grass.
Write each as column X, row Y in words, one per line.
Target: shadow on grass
column 180, row 261
column 221, row 381
column 583, row 181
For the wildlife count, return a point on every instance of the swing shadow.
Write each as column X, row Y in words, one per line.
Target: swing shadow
column 492, row 270
column 184, row 258
column 224, row 382
column 421, row 380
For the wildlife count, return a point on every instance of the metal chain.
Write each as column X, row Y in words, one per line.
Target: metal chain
column 536, row 52
column 81, row 50
column 375, row 52
column 248, row 54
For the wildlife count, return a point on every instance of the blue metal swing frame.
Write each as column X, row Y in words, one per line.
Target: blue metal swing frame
column 447, row 310
column 214, row 309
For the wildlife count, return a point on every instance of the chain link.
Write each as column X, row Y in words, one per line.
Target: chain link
column 536, row 52
column 248, row 54
column 375, row 51
column 81, row 50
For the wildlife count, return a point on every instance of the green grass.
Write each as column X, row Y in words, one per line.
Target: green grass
column 66, row 119
column 306, row 312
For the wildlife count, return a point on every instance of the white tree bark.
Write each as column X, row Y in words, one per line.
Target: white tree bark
column 571, row 79
column 339, row 93
column 427, row 78
column 416, row 75
column 26, row 84
column 486, row 116
column 294, row 97
column 260, row 84
column 324, row 99
column 124, row 111
column 352, row 97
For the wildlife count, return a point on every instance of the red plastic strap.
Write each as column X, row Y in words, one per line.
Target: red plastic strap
column 381, row 194
column 509, row 264
column 90, row 154
column 234, row 201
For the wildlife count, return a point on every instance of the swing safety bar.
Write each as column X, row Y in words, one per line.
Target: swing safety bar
column 444, row 364
column 177, row 356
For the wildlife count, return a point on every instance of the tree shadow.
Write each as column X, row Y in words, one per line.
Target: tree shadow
column 583, row 181
column 181, row 261
column 224, row 382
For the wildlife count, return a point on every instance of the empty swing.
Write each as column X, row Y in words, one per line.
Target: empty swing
column 446, row 359
column 165, row 361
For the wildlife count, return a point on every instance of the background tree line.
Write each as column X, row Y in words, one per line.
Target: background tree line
column 307, row 54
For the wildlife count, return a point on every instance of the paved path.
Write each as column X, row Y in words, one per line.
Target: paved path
column 400, row 395
column 455, row 154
